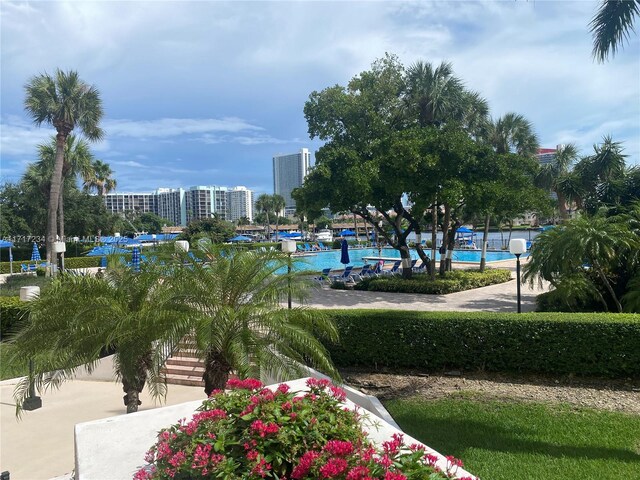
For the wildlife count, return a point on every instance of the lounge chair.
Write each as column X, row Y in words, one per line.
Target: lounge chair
column 300, row 248
column 307, row 248
column 376, row 271
column 362, row 274
column 323, row 277
column 420, row 268
column 322, row 246
column 394, row 269
column 345, row 276
column 24, row 267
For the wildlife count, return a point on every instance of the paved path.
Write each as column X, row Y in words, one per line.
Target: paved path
column 494, row 298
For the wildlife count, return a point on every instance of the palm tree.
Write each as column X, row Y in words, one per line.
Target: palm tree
column 238, row 324
column 611, row 25
column 77, row 161
column 79, row 317
column 278, row 204
column 579, row 257
column 101, row 179
column 264, row 204
column 510, row 133
column 551, row 174
column 64, row 101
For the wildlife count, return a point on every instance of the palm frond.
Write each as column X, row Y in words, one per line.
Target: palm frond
column 612, row 25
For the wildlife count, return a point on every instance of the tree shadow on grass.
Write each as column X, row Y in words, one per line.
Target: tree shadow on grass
column 455, row 436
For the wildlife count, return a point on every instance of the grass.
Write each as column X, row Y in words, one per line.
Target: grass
column 7, row 370
column 12, row 286
column 518, row 441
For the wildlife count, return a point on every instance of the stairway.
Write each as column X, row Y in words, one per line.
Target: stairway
column 184, row 368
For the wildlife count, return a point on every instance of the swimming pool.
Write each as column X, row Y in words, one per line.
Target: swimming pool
column 331, row 258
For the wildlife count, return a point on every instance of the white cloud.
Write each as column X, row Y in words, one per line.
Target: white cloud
column 172, row 127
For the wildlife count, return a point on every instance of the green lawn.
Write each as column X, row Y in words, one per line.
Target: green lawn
column 512, row 441
column 13, row 283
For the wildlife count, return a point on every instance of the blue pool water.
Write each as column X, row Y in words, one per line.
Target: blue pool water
column 331, row 259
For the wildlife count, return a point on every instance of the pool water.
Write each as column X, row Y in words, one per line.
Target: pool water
column 331, row 258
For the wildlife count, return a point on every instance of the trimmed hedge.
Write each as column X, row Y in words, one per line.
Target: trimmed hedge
column 595, row 344
column 11, row 311
column 69, row 262
column 455, row 281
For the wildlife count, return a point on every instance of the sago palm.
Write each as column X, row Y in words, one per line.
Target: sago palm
column 81, row 316
column 65, row 102
column 238, row 324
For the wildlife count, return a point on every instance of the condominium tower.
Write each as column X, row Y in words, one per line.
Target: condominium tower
column 289, row 172
column 239, row 204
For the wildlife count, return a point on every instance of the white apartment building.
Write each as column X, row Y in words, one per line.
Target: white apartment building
column 239, row 203
column 289, row 172
column 130, row 202
column 171, row 204
column 205, row 202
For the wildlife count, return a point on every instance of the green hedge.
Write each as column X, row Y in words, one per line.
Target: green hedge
column 595, row 344
column 455, row 281
column 72, row 262
column 11, row 311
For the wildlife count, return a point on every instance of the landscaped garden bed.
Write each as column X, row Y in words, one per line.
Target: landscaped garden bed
column 451, row 282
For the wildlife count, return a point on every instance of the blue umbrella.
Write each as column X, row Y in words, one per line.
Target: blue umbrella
column 105, row 250
column 5, row 244
column 135, row 259
column 344, row 256
column 347, row 233
column 240, row 238
column 464, row 230
column 35, row 254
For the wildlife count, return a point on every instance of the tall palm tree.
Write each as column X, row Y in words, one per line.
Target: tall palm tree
column 551, row 174
column 278, row 204
column 511, row 133
column 101, row 178
column 77, row 162
column 611, row 26
column 237, row 321
column 65, row 102
column 79, row 317
column 264, row 204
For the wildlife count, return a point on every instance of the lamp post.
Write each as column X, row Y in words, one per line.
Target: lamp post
column 288, row 247
column 517, row 247
column 32, row 402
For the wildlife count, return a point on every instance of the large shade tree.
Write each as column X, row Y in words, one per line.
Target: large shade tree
column 237, row 323
column 65, row 102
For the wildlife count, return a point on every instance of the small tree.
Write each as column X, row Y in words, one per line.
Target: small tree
column 218, row 231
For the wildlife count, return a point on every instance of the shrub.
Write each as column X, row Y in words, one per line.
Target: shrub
column 455, row 281
column 596, row 344
column 86, row 262
column 252, row 433
column 11, row 315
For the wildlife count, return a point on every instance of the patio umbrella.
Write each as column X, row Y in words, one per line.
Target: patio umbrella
column 347, row 233
column 240, row 238
column 105, row 250
column 135, row 259
column 35, row 254
column 344, row 256
column 464, row 230
column 5, row 244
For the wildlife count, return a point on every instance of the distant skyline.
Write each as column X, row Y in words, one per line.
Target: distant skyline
column 206, row 93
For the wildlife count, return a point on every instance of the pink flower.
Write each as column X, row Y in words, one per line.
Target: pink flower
column 248, row 384
column 333, row 467
column 394, row 476
column 338, row 393
column 338, row 448
column 392, row 447
column 283, row 388
column 263, row 429
column 304, row 465
column 318, row 382
column 145, row 473
column 358, row 473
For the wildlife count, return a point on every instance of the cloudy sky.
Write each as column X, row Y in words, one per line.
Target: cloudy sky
column 207, row 92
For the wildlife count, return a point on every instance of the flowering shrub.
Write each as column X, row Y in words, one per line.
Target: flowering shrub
column 252, row 433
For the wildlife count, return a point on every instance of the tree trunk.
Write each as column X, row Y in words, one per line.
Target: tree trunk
column 268, row 227
column 445, row 232
column 277, row 218
column 54, row 193
column 562, row 206
column 608, row 286
column 434, row 239
column 405, row 255
column 485, row 243
column 216, row 372
column 355, row 228
column 61, row 221
column 133, row 385
column 451, row 243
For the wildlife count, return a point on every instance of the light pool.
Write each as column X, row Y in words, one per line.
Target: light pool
column 331, row 258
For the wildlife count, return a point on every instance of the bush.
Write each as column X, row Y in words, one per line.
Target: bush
column 596, row 344
column 86, row 262
column 455, row 281
column 253, row 433
column 557, row 301
column 11, row 313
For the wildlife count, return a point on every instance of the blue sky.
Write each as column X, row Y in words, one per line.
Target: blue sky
column 207, row 92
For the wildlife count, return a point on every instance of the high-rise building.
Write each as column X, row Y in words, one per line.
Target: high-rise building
column 205, row 202
column 546, row 155
column 171, row 205
column 130, row 202
column 289, row 172
column 239, row 203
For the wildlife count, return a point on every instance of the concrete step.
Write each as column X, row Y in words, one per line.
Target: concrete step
column 185, row 353
column 185, row 361
column 183, row 370
column 193, row 381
